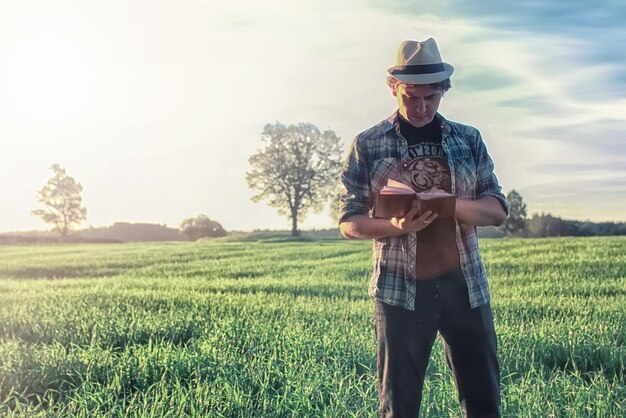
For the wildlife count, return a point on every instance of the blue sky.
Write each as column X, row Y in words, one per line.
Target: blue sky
column 156, row 107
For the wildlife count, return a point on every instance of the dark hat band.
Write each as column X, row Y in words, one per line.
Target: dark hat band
column 418, row 69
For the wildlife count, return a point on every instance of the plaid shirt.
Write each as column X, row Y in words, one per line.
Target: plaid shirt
column 381, row 152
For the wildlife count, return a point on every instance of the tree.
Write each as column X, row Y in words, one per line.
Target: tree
column 201, row 226
column 546, row 225
column 297, row 170
column 61, row 194
column 515, row 224
column 333, row 207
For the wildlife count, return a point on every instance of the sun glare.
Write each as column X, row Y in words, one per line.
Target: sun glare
column 45, row 75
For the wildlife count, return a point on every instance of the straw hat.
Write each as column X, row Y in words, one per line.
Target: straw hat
column 420, row 63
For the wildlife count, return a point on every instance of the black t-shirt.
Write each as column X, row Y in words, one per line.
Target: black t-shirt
column 436, row 244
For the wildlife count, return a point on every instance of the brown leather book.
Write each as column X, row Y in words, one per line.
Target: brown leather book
column 444, row 204
column 396, row 199
column 393, row 205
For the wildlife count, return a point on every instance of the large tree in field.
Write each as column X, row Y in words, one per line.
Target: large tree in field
column 515, row 224
column 61, row 196
column 297, row 170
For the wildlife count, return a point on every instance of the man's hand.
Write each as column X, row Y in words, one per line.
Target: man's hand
column 364, row 227
column 411, row 223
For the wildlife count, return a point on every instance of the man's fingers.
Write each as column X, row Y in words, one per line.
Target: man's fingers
column 410, row 219
column 411, row 213
column 432, row 217
column 425, row 216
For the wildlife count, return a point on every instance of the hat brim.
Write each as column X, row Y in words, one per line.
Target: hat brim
column 427, row 78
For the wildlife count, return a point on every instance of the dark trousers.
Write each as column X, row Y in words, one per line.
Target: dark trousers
column 405, row 339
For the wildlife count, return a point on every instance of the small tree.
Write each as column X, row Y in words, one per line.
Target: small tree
column 515, row 224
column 201, row 226
column 333, row 207
column 546, row 225
column 297, row 170
column 61, row 195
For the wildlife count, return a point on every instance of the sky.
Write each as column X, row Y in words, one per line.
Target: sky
column 155, row 107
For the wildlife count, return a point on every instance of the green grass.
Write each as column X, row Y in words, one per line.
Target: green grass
column 275, row 327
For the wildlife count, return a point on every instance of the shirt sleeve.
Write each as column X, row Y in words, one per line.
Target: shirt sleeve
column 486, row 181
column 355, row 196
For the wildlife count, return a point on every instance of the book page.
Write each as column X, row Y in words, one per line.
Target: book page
column 395, row 190
column 395, row 187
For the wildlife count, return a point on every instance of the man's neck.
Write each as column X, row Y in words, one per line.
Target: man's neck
column 408, row 130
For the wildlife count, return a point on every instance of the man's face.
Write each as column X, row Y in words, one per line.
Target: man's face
column 418, row 103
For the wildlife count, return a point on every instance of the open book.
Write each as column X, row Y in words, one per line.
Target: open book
column 396, row 199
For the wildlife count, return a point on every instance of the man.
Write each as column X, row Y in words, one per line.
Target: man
column 428, row 277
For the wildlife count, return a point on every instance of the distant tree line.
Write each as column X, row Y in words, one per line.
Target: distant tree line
column 547, row 225
column 134, row 232
column 118, row 232
column 191, row 229
column 295, row 172
column 63, row 209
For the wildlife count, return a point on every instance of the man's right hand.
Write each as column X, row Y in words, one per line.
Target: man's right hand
column 364, row 227
column 413, row 223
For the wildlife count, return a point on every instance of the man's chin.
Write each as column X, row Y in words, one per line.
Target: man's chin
column 420, row 122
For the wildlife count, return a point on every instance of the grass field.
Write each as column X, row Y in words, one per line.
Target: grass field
column 279, row 329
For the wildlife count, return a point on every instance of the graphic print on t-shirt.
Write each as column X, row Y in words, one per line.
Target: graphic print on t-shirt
column 428, row 168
